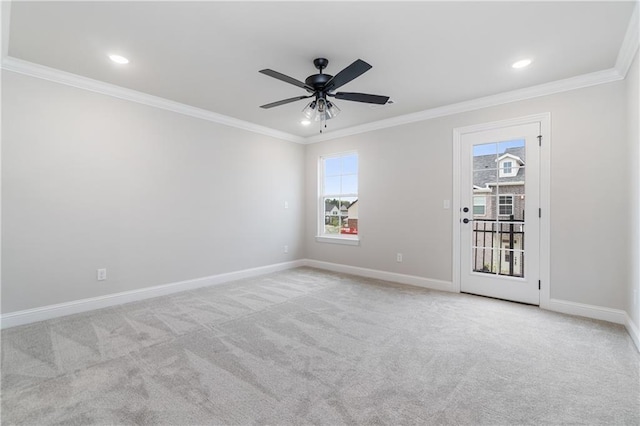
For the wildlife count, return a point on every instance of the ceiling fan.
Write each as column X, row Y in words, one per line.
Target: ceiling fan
column 320, row 86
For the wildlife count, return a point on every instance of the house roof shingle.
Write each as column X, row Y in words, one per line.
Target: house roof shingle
column 485, row 168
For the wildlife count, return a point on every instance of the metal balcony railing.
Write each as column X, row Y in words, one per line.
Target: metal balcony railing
column 498, row 247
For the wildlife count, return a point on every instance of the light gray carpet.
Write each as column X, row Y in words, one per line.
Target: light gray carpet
column 311, row 347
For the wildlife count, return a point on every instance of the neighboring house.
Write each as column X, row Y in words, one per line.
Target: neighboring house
column 352, row 219
column 499, row 196
column 334, row 215
column 331, row 210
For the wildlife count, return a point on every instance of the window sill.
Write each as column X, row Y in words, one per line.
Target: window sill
column 348, row 241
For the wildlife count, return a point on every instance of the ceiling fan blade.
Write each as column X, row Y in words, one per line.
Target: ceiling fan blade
column 354, row 70
column 286, row 79
column 284, row 101
column 362, row 97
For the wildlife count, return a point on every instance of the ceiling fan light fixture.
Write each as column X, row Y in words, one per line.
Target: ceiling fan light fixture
column 321, row 110
column 309, row 112
column 332, row 110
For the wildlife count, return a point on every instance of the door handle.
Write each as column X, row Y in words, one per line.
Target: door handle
column 465, row 220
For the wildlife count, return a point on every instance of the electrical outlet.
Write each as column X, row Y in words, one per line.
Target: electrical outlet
column 286, row 204
column 399, row 257
column 286, row 249
column 102, row 274
column 446, row 204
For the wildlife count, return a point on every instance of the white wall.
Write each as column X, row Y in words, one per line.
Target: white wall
column 406, row 173
column 633, row 93
column 91, row 181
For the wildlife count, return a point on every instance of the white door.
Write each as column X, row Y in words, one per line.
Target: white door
column 499, row 218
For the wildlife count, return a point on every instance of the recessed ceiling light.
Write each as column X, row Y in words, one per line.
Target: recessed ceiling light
column 119, row 59
column 305, row 122
column 521, row 64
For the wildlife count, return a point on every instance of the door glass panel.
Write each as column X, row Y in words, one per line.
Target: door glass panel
column 512, row 148
column 498, row 208
column 511, row 263
column 484, row 207
column 480, row 150
column 484, row 260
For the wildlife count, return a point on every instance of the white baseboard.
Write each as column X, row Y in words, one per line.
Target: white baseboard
column 617, row 316
column 413, row 280
column 590, row 311
column 28, row 316
column 633, row 330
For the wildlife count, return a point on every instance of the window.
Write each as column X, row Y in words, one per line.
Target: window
column 338, row 216
column 505, row 205
column 506, row 167
column 479, row 205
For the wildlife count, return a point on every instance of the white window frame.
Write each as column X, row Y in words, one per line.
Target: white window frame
column 321, row 237
column 484, row 198
column 510, row 204
column 507, row 167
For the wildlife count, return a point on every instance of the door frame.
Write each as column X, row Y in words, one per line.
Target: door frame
column 545, row 202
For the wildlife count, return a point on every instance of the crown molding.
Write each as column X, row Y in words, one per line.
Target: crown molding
column 62, row 77
column 630, row 44
column 559, row 86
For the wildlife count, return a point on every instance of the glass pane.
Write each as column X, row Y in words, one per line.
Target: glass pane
column 511, row 263
column 485, row 178
column 517, row 207
column 489, row 150
column 505, row 206
column 498, row 203
column 513, row 148
column 349, row 209
column 350, row 164
column 483, row 234
column 331, row 166
column 349, row 184
column 479, row 205
column 332, row 218
column 511, row 235
column 332, row 185
column 489, row 207
column 518, row 173
column 486, row 163
column 484, row 260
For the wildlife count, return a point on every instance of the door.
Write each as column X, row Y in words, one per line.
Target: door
column 499, row 218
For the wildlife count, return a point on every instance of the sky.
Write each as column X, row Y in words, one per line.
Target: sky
column 496, row 147
column 341, row 175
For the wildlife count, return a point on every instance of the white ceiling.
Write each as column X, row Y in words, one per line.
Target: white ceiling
column 424, row 54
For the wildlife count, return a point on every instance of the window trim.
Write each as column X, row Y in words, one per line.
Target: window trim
column 511, row 204
column 322, row 237
column 507, row 170
column 484, row 212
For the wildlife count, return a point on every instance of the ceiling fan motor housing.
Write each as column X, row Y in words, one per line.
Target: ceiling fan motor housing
column 317, row 81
